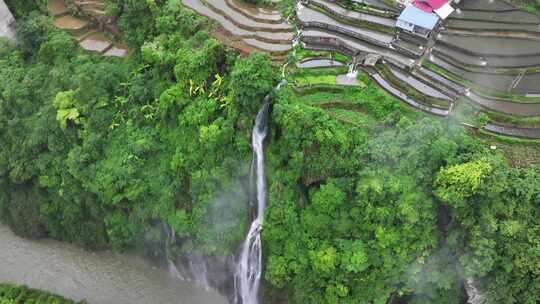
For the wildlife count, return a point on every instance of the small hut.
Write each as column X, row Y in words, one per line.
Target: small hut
column 417, row 21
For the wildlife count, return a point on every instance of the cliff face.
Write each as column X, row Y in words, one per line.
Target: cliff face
column 7, row 22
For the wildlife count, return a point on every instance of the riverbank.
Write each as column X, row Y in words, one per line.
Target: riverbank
column 11, row 293
column 102, row 277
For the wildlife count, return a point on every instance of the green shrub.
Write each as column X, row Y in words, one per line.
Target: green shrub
column 20, row 294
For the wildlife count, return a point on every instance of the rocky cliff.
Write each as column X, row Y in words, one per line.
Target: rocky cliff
column 7, row 22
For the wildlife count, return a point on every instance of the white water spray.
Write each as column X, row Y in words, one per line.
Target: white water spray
column 299, row 6
column 198, row 270
column 297, row 38
column 353, row 69
column 475, row 296
column 248, row 270
column 171, row 239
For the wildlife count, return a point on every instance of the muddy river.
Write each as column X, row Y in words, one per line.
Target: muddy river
column 102, row 277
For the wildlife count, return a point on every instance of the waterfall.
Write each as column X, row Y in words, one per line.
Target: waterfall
column 171, row 239
column 194, row 268
column 297, row 38
column 198, row 271
column 474, row 295
column 353, row 69
column 248, row 270
column 299, row 6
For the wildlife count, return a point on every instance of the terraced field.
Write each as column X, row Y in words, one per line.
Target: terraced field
column 487, row 54
column 247, row 27
column 328, row 26
column 90, row 37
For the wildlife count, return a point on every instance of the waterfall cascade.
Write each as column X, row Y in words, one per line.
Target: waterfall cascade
column 171, row 239
column 198, row 271
column 248, row 270
column 474, row 294
column 353, row 69
column 194, row 269
column 297, row 37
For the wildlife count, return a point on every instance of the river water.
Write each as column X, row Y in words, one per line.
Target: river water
column 102, row 277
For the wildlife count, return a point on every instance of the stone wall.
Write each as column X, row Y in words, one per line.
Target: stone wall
column 7, row 22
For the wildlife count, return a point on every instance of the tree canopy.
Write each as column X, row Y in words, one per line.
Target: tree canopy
column 367, row 202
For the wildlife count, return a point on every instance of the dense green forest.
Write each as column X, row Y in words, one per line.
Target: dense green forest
column 388, row 203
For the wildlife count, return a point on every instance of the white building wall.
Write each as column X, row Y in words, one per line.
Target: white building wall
column 405, row 25
column 7, row 22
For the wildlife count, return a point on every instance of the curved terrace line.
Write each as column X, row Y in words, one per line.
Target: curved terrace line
column 490, row 25
column 255, row 13
column 221, row 7
column 313, row 18
column 514, row 131
column 357, row 46
column 494, row 33
column 340, row 12
column 491, row 61
column 512, row 17
column 477, row 67
column 383, row 83
column 273, row 43
column 513, row 108
column 449, row 44
column 490, row 5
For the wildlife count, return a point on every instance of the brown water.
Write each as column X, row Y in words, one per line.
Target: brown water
column 118, row 50
column 70, row 23
column 102, row 277
column 57, row 7
column 96, row 42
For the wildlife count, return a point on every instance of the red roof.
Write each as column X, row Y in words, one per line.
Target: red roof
column 423, row 6
column 429, row 5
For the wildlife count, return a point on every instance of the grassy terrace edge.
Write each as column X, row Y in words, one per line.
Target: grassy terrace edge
column 15, row 294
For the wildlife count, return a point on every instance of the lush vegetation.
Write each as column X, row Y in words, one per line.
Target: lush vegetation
column 15, row 294
column 532, row 6
column 368, row 199
column 98, row 149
